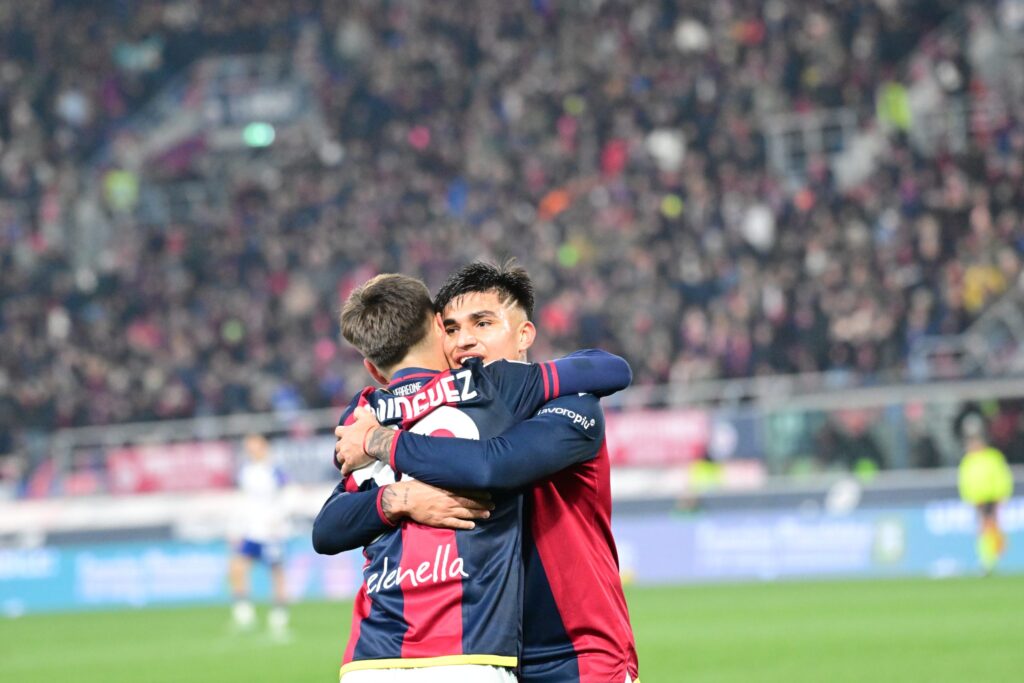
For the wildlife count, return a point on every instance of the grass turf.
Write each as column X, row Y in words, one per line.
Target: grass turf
column 906, row 630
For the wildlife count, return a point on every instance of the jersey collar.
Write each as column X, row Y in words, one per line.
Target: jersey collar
column 408, row 375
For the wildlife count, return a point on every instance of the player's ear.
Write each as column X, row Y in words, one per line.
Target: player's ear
column 527, row 335
column 378, row 376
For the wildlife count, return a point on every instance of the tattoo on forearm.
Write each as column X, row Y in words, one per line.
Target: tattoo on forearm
column 378, row 446
column 389, row 502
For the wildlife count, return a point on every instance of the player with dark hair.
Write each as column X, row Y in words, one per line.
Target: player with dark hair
column 510, row 284
column 576, row 623
column 437, row 604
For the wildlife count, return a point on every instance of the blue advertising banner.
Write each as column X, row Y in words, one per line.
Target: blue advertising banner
column 140, row 574
column 937, row 539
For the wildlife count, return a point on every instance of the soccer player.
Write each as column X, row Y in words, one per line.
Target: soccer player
column 262, row 527
column 437, row 604
column 575, row 624
column 985, row 481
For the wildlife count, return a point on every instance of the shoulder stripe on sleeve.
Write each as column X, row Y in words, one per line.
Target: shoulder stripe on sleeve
column 547, row 383
column 554, row 378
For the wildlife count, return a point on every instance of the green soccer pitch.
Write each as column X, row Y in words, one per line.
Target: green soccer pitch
column 962, row 630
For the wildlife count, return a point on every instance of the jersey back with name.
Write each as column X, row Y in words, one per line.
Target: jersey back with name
column 437, row 596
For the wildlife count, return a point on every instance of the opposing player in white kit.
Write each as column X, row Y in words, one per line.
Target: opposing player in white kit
column 261, row 528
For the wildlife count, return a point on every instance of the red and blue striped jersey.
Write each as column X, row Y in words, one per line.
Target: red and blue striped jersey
column 433, row 596
column 576, row 625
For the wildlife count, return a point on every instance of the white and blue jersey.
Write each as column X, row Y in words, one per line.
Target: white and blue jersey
column 262, row 523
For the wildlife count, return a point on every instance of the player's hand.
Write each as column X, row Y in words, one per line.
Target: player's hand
column 350, row 448
column 435, row 507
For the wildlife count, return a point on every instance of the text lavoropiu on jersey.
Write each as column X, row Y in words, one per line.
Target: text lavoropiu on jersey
column 577, row 419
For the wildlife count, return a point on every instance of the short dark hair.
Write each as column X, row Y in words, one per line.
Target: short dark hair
column 509, row 280
column 386, row 316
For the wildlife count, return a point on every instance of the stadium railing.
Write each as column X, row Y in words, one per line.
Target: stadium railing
column 992, row 346
column 750, row 429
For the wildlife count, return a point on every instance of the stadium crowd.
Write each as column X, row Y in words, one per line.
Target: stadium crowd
column 614, row 147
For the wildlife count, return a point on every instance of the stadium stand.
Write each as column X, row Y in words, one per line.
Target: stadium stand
column 616, row 148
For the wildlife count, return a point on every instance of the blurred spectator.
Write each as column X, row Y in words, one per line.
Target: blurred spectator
column 614, row 147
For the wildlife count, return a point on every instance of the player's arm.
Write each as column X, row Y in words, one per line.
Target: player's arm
column 354, row 518
column 527, row 386
column 353, row 514
column 351, row 517
column 356, row 512
column 564, row 432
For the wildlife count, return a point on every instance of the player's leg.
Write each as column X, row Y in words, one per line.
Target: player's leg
column 991, row 541
column 277, row 619
column 239, row 569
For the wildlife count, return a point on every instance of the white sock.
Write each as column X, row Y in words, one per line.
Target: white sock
column 243, row 613
column 277, row 620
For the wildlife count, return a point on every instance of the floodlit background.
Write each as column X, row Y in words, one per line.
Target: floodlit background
column 801, row 222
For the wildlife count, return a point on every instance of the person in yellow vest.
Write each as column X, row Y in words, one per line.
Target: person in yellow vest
column 985, row 481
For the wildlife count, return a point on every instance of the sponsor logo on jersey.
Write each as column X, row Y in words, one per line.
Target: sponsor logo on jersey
column 439, row 571
column 576, row 418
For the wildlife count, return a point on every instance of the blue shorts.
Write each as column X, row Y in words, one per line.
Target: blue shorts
column 271, row 553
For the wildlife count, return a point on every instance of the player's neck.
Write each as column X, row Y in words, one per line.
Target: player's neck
column 423, row 360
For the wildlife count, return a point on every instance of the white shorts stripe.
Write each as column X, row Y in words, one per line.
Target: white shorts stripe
column 462, row 673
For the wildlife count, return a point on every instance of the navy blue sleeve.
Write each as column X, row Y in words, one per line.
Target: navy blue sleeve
column 527, row 386
column 564, row 432
column 349, row 520
column 351, row 517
